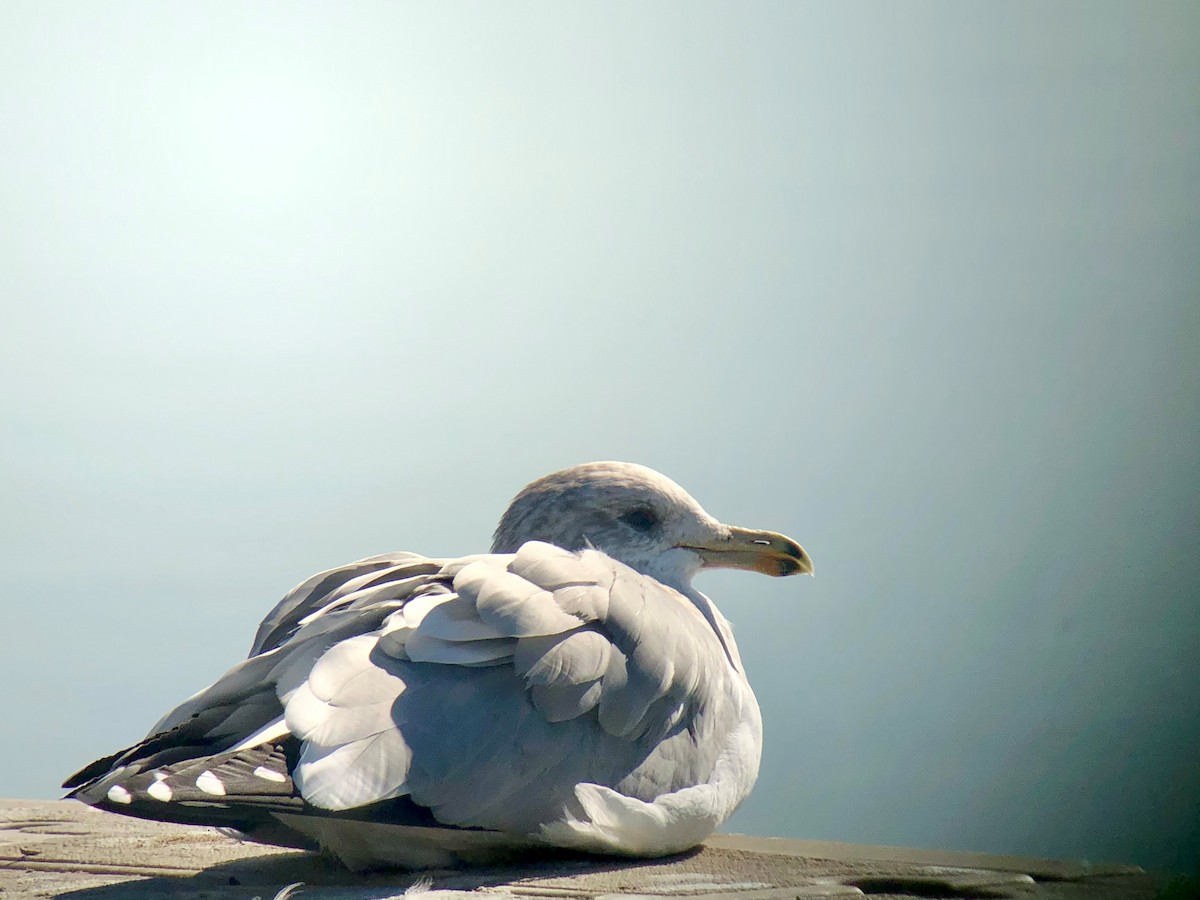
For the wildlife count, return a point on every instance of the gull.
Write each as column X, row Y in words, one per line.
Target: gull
column 568, row 689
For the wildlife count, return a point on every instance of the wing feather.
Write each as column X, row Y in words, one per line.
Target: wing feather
column 420, row 647
column 509, row 604
column 562, row 702
column 354, row 774
column 456, row 619
column 573, row 658
column 311, row 594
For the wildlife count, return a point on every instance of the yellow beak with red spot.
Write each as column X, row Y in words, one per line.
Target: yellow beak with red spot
column 758, row 551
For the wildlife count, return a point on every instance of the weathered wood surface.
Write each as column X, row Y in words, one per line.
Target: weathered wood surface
column 63, row 849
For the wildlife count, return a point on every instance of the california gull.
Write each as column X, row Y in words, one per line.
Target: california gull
column 570, row 688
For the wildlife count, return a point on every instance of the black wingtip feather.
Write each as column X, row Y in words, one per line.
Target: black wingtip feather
column 142, row 750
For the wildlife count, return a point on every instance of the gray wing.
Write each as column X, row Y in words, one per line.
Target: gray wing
column 482, row 690
column 312, row 594
column 313, row 617
column 488, row 702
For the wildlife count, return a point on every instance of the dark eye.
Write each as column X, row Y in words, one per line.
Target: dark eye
column 640, row 518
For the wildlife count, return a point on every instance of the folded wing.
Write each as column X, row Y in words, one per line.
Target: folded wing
column 481, row 691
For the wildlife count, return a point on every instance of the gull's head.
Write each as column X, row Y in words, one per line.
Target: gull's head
column 643, row 519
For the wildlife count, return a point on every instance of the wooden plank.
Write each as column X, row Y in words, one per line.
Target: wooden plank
column 1041, row 869
column 56, row 848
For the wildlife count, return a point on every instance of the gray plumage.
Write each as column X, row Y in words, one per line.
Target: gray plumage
column 569, row 688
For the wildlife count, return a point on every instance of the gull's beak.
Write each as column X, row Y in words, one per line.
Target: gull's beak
column 758, row 551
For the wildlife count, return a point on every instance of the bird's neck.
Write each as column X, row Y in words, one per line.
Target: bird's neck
column 717, row 622
column 675, row 568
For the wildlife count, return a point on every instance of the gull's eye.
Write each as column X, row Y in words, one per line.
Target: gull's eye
column 640, row 518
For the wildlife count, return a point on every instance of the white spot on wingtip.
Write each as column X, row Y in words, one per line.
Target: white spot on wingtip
column 160, row 790
column 210, row 784
column 270, row 775
column 118, row 794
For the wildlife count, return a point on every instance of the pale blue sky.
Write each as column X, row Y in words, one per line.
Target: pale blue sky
column 918, row 284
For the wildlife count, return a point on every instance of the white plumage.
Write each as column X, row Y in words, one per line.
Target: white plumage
column 570, row 688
